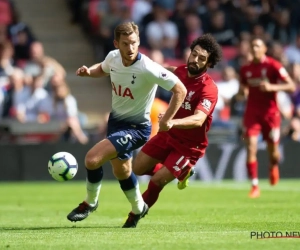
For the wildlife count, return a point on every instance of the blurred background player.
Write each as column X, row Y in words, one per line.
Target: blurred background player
column 179, row 148
column 261, row 79
column 133, row 78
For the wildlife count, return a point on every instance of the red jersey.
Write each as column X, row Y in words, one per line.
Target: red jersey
column 252, row 74
column 202, row 94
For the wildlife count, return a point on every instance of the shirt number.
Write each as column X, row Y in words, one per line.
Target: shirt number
column 124, row 140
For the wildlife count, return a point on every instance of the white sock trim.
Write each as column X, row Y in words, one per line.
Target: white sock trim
column 254, row 182
column 92, row 194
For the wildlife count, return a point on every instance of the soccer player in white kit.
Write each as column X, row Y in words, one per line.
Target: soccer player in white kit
column 134, row 78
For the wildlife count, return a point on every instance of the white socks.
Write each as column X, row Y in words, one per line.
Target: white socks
column 254, row 182
column 93, row 191
column 134, row 196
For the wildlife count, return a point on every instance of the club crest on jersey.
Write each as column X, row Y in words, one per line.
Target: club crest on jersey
column 264, row 72
column 133, row 78
column 189, row 96
column 123, row 92
column 206, row 104
column 248, row 74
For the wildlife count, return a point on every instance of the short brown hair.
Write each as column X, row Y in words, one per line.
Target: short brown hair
column 126, row 29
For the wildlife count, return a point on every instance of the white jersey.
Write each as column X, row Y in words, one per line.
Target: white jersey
column 134, row 87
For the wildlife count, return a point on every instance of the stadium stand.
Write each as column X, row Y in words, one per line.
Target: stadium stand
column 275, row 21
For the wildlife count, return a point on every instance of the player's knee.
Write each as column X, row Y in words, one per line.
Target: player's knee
column 121, row 173
column 251, row 149
column 138, row 166
column 91, row 161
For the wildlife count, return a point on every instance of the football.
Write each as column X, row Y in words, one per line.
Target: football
column 62, row 166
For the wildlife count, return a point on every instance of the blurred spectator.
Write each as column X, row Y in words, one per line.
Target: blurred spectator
column 220, row 29
column 293, row 51
column 248, row 17
column 259, row 32
column 295, row 74
column 16, row 93
column 6, row 62
column 140, row 9
column 64, row 109
column 228, row 86
column 243, row 55
column 161, row 33
column 1, row 102
column 193, row 28
column 109, row 16
column 56, row 80
column 294, row 129
column 186, row 54
column 21, row 37
column 3, row 34
column 276, row 51
column 5, row 12
column 206, row 11
column 161, row 93
column 238, row 105
column 169, row 4
column 282, row 31
column 40, row 64
column 35, row 108
column 157, row 56
column 178, row 16
column 76, row 8
column 285, row 105
column 294, row 126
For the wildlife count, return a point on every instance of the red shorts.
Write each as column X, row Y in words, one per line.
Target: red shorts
column 267, row 124
column 177, row 156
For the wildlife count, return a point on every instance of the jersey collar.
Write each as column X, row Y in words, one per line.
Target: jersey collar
column 138, row 57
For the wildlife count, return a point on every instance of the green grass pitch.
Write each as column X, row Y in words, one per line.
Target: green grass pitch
column 215, row 216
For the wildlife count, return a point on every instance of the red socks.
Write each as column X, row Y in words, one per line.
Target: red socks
column 150, row 196
column 252, row 170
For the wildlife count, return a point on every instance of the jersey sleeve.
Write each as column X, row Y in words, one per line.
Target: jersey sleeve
column 161, row 76
column 208, row 99
column 280, row 71
column 107, row 61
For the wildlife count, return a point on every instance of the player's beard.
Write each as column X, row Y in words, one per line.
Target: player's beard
column 130, row 58
column 195, row 70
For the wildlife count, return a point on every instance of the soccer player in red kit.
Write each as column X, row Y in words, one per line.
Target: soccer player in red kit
column 260, row 80
column 179, row 148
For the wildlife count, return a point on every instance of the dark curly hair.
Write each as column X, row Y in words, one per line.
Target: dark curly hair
column 209, row 43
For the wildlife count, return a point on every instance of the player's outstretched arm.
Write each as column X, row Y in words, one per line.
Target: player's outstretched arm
column 193, row 121
column 179, row 93
column 93, row 71
column 288, row 86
